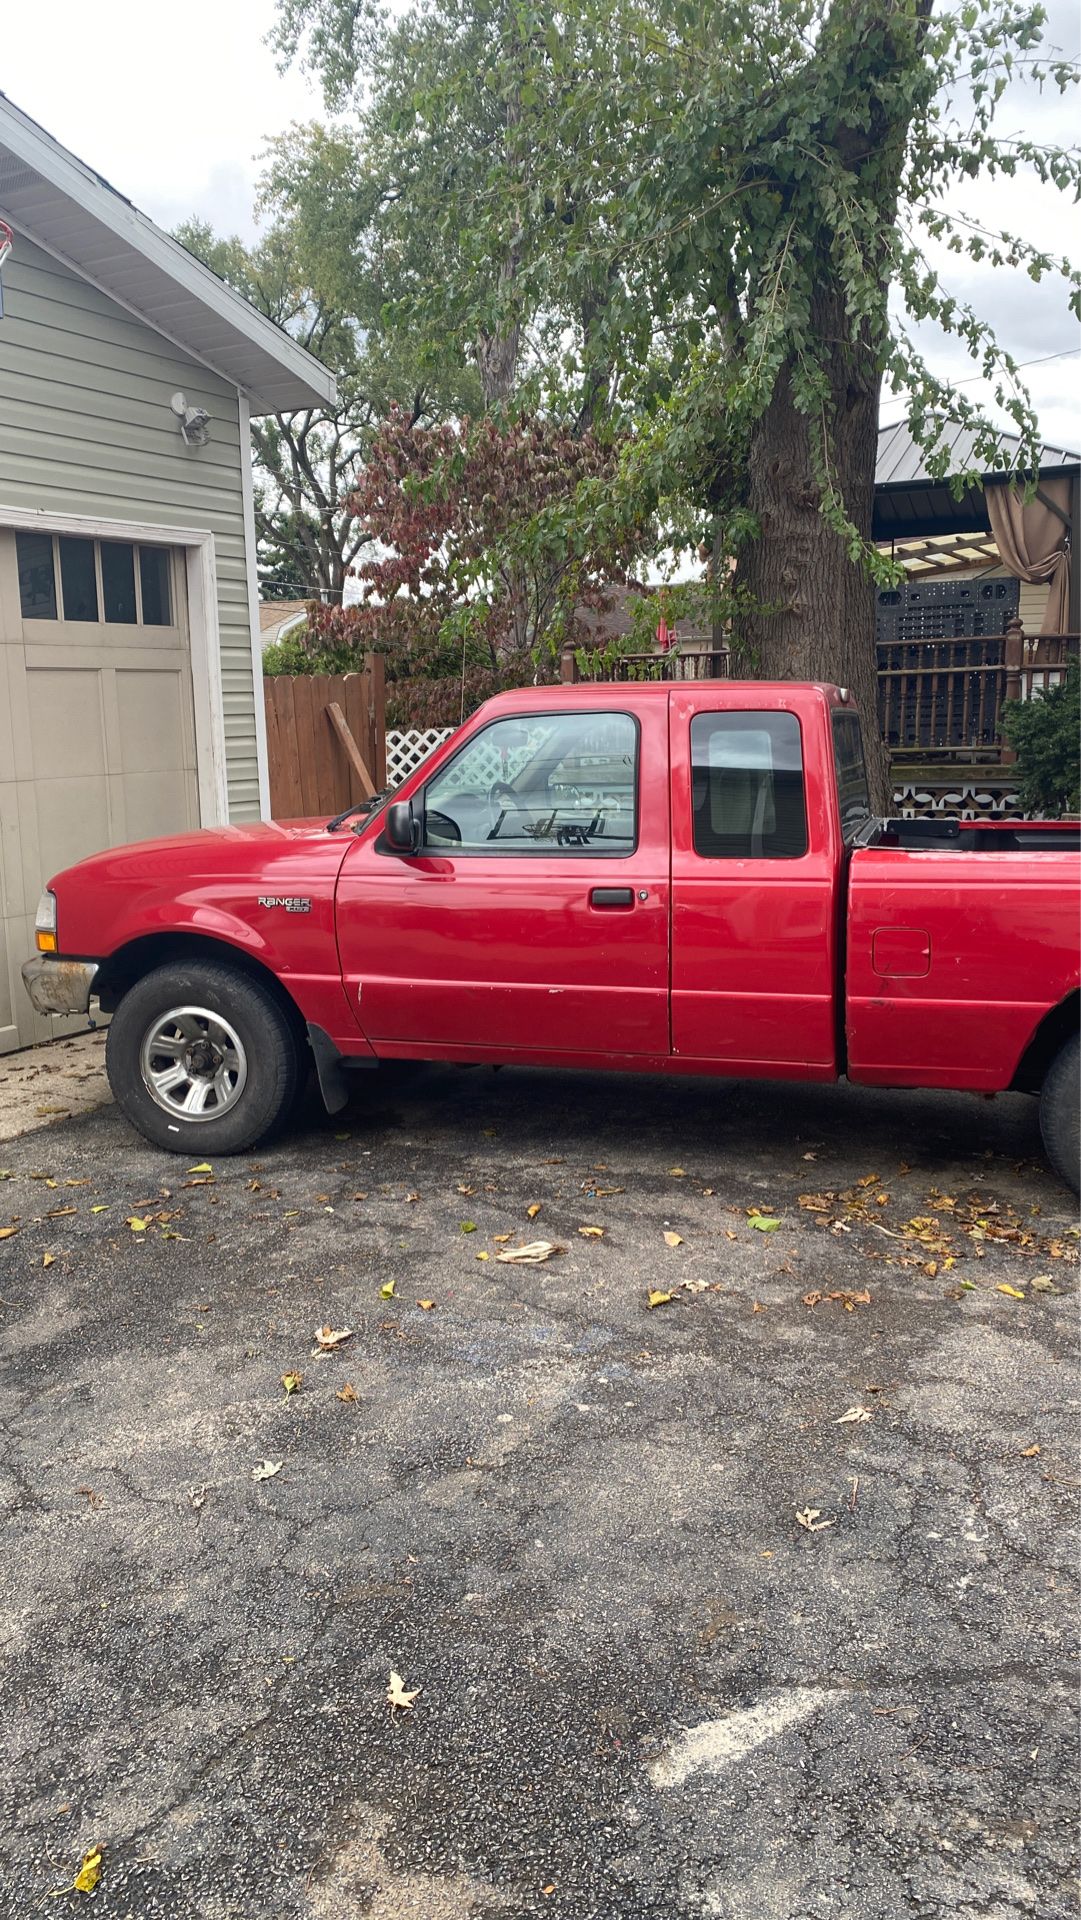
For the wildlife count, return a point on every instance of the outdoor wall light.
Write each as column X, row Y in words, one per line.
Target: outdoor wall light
column 194, row 421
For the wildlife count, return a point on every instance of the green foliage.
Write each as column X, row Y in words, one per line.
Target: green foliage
column 674, row 212
column 1045, row 733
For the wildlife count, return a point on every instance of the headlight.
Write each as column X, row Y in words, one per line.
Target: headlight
column 45, row 924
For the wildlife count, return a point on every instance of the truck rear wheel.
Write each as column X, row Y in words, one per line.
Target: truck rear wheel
column 1060, row 1112
column 202, row 1058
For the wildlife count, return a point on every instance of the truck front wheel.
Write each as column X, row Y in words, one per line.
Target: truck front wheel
column 202, row 1058
column 1060, row 1112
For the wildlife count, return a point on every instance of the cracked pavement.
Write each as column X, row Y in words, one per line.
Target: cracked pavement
column 647, row 1692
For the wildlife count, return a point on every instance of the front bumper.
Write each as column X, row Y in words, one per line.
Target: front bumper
column 59, row 986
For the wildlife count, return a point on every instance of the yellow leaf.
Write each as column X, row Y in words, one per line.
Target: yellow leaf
column 468, row 1226
column 397, row 1696
column 534, row 1209
column 758, row 1307
column 659, row 1299
column 137, row 1224
column 387, row 1290
column 291, row 1382
column 89, row 1873
column 501, row 1238
column 482, row 1256
column 1012, row 1291
column 103, row 1208
column 203, row 1167
column 1029, row 1453
column 6, row 1232
column 47, row 1259
column 348, row 1393
column 869, row 1180
column 592, row 1233
column 677, row 1173
column 426, row 1305
column 673, row 1239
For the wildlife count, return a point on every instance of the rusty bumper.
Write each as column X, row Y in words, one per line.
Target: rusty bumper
column 59, row 986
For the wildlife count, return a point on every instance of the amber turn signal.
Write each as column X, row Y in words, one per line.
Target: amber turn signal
column 46, row 942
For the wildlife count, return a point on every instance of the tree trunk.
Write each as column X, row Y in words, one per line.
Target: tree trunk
column 818, row 606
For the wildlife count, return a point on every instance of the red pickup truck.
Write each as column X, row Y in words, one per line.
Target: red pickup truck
column 674, row 878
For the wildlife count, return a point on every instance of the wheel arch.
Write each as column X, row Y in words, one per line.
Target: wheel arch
column 131, row 962
column 1052, row 1033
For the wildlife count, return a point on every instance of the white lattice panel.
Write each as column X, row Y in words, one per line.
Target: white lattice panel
column 406, row 750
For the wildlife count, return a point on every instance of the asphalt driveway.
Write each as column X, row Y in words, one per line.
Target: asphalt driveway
column 683, row 1640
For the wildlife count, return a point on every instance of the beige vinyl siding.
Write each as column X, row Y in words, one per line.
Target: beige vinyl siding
column 86, row 427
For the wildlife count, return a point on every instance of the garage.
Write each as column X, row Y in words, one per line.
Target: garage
column 130, row 666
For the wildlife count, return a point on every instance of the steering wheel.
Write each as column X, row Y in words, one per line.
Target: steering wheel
column 501, row 797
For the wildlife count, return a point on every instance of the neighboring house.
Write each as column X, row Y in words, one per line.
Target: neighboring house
column 279, row 617
column 989, row 535
column 130, row 694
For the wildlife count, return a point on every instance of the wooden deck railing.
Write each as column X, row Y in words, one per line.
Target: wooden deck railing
column 937, row 699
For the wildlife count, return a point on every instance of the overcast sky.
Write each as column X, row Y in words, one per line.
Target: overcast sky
column 173, row 103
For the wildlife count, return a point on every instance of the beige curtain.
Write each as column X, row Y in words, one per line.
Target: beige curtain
column 1030, row 538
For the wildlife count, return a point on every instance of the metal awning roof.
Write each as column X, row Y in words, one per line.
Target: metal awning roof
column 71, row 211
column 909, row 502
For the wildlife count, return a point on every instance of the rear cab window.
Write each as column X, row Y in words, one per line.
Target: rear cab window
column 747, row 792
column 853, row 793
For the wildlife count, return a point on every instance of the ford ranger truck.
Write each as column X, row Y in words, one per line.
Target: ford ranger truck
column 655, row 878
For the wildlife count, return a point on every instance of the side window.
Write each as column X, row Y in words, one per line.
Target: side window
column 747, row 786
column 853, row 795
column 547, row 783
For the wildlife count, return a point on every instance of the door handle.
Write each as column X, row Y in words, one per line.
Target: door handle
column 612, row 897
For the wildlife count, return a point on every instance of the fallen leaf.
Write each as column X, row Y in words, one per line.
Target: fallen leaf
column 811, row 1518
column 534, row 1209
column 387, row 1290
column 677, row 1173
column 468, row 1226
column 1029, row 1453
column 1042, row 1283
column 102, row 1208
column 549, row 1889
column 816, row 1202
column 267, row 1470
column 89, row 1873
column 758, row 1307
column 869, row 1180
column 348, row 1393
column 203, row 1167
column 811, row 1299
column 764, row 1223
column 482, row 1256
column 673, row 1239
column 327, row 1338
column 397, row 1696
column 47, row 1259
column 502, row 1238
column 1013, row 1292
column 853, row 1414
column 44, row 1110
column 810, row 1156
column 412, row 1198
column 291, row 1382
column 532, row 1254
column 6, row 1232
column 137, row 1223
column 426, row 1305
column 659, row 1299
column 592, row 1233
column 467, row 1191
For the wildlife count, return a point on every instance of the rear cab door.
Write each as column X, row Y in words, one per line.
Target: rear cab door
column 756, row 859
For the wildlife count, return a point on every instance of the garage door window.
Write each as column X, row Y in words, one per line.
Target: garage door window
column 63, row 578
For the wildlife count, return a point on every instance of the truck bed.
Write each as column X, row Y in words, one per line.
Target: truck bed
column 979, row 836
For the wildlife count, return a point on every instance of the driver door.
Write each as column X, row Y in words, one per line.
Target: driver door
column 534, row 918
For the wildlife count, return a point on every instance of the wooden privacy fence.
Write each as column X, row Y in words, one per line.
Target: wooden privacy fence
column 326, row 739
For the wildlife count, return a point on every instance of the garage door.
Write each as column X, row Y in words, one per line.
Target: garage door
column 97, row 734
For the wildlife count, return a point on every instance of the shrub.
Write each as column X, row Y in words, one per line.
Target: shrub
column 1044, row 733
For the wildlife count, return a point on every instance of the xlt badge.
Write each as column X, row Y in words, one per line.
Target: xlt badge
column 292, row 902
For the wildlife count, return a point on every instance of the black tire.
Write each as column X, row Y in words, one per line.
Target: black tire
column 1060, row 1112
column 270, row 1050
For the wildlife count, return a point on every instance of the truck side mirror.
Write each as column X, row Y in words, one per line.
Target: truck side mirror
column 401, row 829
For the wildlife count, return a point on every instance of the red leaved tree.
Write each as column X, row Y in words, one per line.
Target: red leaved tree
column 478, row 570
